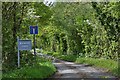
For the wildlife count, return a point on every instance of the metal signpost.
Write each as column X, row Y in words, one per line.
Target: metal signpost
column 23, row 45
column 27, row 44
column 34, row 30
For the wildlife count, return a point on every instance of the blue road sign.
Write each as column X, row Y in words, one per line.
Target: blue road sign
column 33, row 29
column 24, row 45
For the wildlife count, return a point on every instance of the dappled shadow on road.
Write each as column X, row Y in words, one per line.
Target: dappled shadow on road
column 69, row 70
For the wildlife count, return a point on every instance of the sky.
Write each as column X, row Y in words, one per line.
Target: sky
column 49, row 2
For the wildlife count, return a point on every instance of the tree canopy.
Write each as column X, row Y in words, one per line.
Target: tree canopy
column 84, row 29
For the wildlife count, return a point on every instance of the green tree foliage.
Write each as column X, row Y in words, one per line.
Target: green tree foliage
column 13, row 14
column 107, row 14
column 85, row 29
column 16, row 19
column 12, row 17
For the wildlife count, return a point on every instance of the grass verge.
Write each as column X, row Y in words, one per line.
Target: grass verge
column 109, row 65
column 41, row 69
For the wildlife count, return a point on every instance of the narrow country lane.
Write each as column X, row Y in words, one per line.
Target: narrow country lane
column 39, row 38
column 72, row 70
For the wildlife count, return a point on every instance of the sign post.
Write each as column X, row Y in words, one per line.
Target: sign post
column 34, row 30
column 34, row 44
column 23, row 45
column 18, row 53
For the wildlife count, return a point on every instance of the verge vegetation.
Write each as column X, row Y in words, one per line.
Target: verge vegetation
column 41, row 68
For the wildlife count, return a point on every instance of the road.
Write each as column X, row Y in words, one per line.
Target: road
column 71, row 70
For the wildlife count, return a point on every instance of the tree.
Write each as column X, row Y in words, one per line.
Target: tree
column 13, row 14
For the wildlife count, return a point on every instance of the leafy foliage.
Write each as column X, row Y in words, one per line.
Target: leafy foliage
column 89, row 30
column 82, row 28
